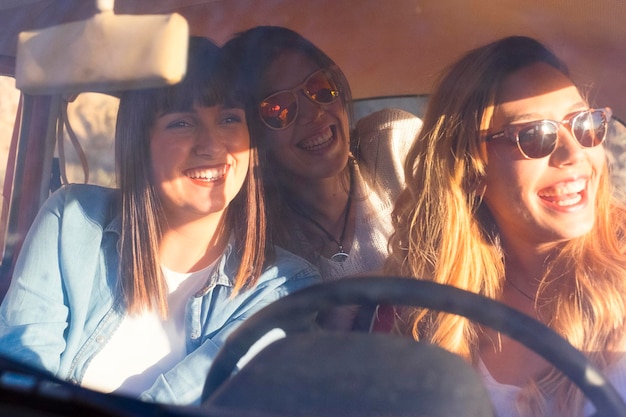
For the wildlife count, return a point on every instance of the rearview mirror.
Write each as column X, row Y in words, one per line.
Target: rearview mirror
column 105, row 53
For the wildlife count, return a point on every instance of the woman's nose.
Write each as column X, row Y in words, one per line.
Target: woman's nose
column 568, row 150
column 309, row 110
column 207, row 143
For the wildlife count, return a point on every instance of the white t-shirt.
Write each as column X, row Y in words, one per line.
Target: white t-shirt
column 145, row 345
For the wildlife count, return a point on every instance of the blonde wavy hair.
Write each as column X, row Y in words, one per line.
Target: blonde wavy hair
column 444, row 232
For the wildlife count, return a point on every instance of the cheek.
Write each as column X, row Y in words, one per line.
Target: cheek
column 274, row 141
column 598, row 158
column 341, row 113
column 243, row 158
column 240, row 142
column 509, row 184
column 166, row 157
column 157, row 161
column 165, row 153
column 499, row 170
column 240, row 149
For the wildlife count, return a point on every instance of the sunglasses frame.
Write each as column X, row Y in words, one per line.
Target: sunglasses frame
column 511, row 132
column 330, row 77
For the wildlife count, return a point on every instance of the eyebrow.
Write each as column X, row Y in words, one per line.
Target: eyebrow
column 193, row 110
column 181, row 108
column 172, row 111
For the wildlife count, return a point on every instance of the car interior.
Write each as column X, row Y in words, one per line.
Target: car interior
column 62, row 65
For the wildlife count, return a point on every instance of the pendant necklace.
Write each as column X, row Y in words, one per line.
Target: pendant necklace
column 341, row 255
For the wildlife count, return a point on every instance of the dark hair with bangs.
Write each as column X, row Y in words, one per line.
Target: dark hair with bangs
column 209, row 81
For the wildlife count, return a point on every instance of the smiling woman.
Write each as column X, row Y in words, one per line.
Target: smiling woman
column 521, row 211
column 331, row 189
column 133, row 290
column 391, row 52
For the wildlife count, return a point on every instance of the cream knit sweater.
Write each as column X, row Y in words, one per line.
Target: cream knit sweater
column 382, row 140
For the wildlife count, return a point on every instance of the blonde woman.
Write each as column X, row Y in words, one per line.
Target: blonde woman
column 508, row 196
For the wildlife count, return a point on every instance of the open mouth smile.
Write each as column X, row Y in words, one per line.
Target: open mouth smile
column 565, row 194
column 207, row 174
column 319, row 141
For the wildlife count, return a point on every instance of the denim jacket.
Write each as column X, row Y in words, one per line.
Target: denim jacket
column 61, row 307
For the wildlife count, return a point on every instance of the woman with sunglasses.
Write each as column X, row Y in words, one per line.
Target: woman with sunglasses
column 329, row 205
column 508, row 196
column 133, row 291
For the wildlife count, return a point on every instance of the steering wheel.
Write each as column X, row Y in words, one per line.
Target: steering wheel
column 289, row 314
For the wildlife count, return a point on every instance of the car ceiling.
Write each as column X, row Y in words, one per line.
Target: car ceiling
column 391, row 47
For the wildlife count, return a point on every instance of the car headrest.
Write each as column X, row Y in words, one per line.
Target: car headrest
column 381, row 142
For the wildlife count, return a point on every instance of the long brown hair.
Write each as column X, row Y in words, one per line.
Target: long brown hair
column 444, row 233
column 208, row 82
column 254, row 50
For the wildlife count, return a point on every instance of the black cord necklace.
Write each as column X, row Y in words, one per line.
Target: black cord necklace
column 518, row 289
column 341, row 255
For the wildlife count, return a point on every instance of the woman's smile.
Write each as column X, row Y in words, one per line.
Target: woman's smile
column 565, row 196
column 207, row 175
column 318, row 141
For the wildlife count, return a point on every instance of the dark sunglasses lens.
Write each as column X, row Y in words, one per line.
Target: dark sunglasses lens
column 538, row 140
column 322, row 88
column 590, row 128
column 279, row 110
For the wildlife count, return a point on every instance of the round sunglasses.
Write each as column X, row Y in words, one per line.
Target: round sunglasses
column 280, row 109
column 538, row 139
